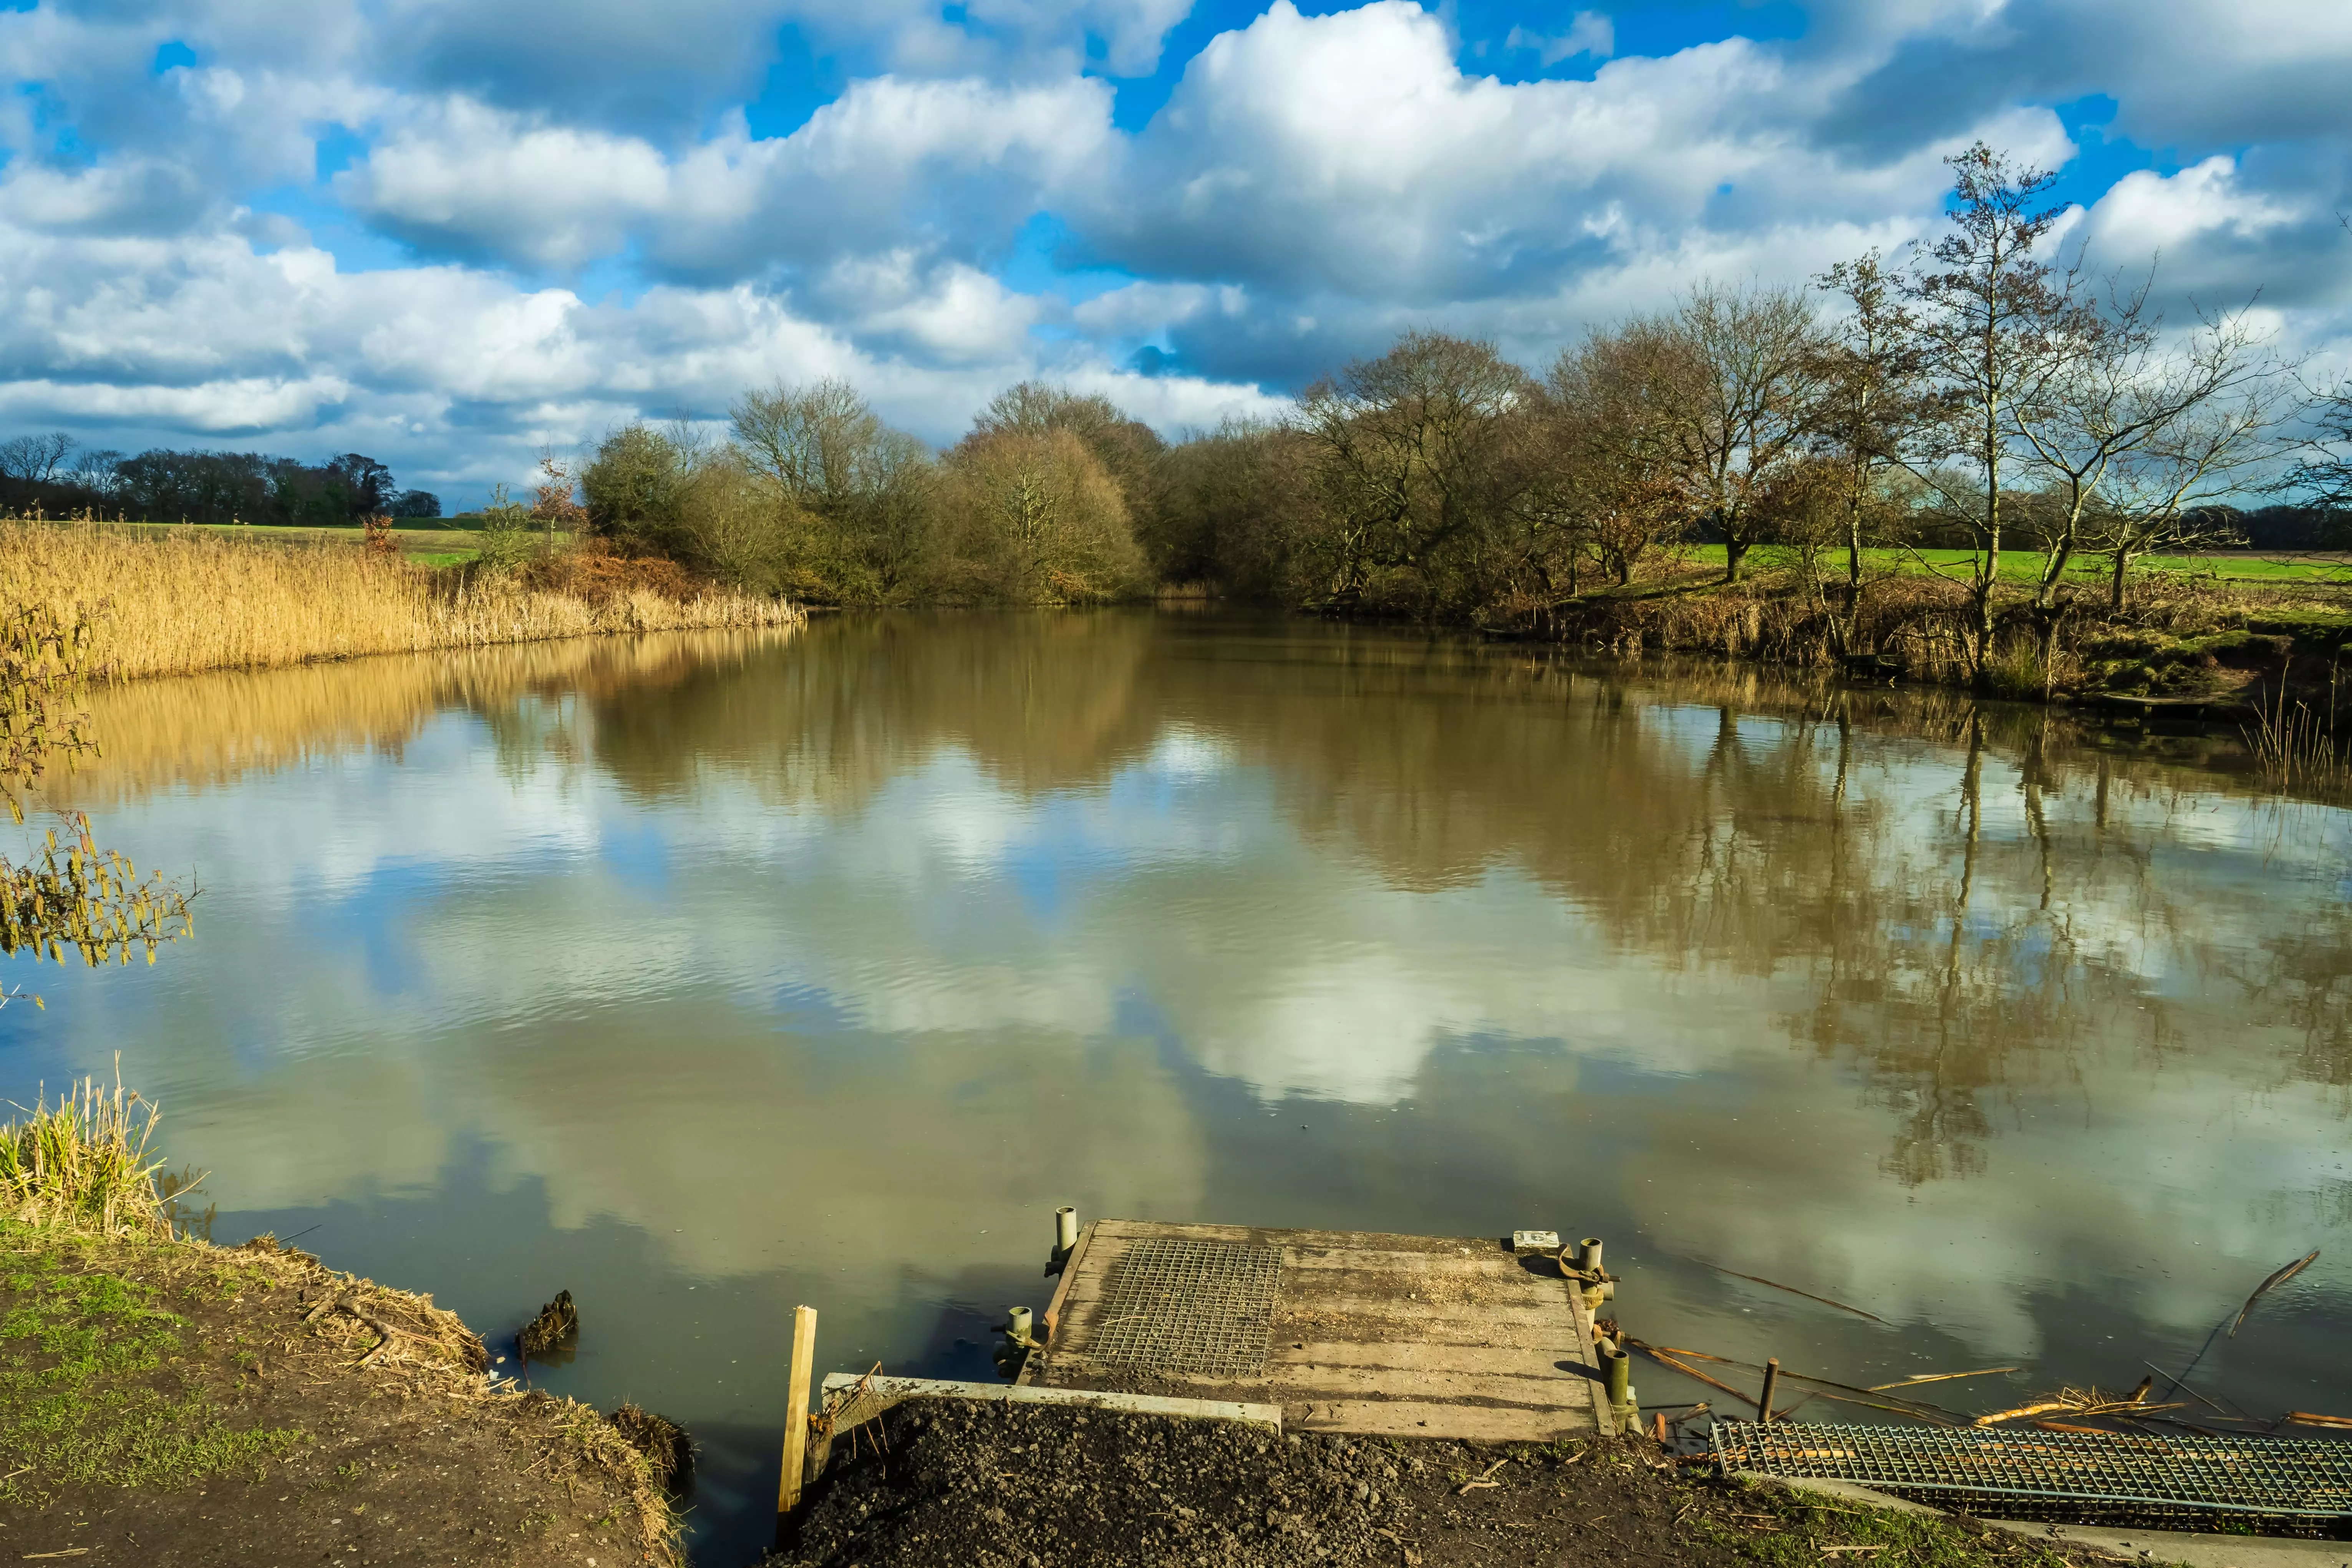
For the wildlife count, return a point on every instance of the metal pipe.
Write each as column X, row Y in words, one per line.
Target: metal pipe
column 1016, row 1326
column 1588, row 1255
column 1771, row 1380
column 1065, row 1230
column 1617, row 1370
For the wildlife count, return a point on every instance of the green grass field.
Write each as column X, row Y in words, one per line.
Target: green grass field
column 2025, row 566
column 428, row 542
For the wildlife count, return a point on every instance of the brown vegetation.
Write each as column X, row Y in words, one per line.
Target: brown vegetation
column 179, row 601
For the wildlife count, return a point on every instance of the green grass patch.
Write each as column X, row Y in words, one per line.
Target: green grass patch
column 1795, row 1526
column 100, row 1384
column 2024, row 564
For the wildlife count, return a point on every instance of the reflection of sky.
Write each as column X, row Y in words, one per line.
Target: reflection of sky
column 499, row 1024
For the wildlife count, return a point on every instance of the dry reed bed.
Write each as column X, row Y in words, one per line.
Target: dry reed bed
column 201, row 731
column 187, row 600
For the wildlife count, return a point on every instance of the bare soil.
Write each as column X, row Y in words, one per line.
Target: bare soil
column 313, row 1435
column 964, row 1484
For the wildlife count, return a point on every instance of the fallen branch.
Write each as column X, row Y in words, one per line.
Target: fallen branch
column 1791, row 1289
column 2271, row 1283
column 1940, row 1377
column 1840, row 1393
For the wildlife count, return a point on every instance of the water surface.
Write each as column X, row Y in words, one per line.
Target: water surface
column 704, row 975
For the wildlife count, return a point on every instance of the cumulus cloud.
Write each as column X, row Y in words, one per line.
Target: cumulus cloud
column 1590, row 33
column 467, row 222
column 956, row 165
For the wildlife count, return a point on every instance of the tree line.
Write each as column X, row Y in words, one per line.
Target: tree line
column 1981, row 395
column 54, row 472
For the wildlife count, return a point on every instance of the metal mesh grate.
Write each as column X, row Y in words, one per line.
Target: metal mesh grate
column 2298, row 1484
column 1188, row 1306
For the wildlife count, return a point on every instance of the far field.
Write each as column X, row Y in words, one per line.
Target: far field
column 428, row 540
column 2025, row 565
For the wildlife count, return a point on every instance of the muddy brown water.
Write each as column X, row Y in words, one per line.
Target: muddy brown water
column 705, row 975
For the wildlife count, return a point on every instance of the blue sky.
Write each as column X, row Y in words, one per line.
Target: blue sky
column 449, row 231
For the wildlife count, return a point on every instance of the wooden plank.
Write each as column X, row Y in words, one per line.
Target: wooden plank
column 1547, row 1390
column 1410, row 1336
column 879, row 1393
column 1138, row 1230
column 1398, row 1315
column 1071, row 1266
column 1464, row 1423
column 1501, row 1360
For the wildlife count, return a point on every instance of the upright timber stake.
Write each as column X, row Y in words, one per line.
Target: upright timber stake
column 796, row 1401
column 1771, row 1379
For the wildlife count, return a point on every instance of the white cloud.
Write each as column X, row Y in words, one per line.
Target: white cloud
column 1590, row 33
column 1312, row 186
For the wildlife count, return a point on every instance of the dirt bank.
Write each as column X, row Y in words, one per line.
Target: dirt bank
column 170, row 1403
column 958, row 1483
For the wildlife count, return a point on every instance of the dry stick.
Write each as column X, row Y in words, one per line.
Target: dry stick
column 2177, row 1385
column 1791, row 1289
column 1939, row 1377
column 2305, row 1419
column 1918, row 1407
column 1664, row 1359
column 2272, row 1283
column 796, row 1400
column 1772, row 1382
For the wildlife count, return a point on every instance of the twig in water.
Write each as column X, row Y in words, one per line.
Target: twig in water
column 2179, row 1386
column 1663, row 1359
column 1939, row 1377
column 1791, row 1289
column 2272, row 1283
column 2305, row 1419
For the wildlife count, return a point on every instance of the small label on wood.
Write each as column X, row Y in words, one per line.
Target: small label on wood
column 1528, row 1242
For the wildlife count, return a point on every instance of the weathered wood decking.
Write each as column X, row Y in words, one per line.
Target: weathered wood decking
column 1346, row 1331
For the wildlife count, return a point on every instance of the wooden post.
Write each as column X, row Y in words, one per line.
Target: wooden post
column 796, row 1403
column 1771, row 1380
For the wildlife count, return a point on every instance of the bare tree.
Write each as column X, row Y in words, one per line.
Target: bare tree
column 859, row 497
column 813, row 441
column 2130, row 436
column 36, row 459
column 1044, row 519
column 1748, row 405
column 1616, row 402
column 1408, row 449
column 1868, row 408
column 1988, row 322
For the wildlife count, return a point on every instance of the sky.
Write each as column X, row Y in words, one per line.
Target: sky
column 449, row 233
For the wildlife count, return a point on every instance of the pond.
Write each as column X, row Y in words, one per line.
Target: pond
column 709, row 974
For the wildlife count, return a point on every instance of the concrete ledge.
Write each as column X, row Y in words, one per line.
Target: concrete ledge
column 2150, row 1546
column 881, row 1393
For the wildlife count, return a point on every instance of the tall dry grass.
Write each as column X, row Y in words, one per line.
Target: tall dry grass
column 183, row 601
column 84, row 1164
column 201, row 731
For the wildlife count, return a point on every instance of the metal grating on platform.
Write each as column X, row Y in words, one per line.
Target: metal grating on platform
column 1203, row 1307
column 2295, row 1483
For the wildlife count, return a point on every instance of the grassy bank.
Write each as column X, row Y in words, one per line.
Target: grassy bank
column 184, row 600
column 2196, row 636
column 165, row 1401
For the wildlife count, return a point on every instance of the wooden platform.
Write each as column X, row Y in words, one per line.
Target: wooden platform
column 1346, row 1331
